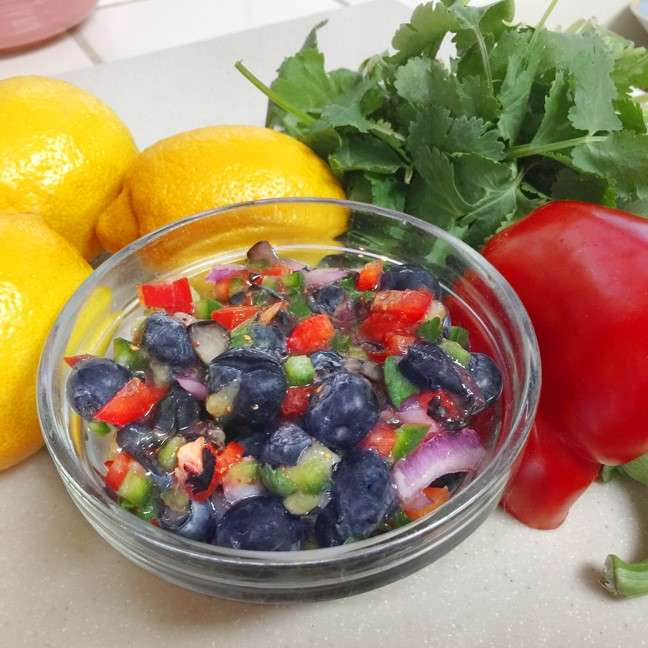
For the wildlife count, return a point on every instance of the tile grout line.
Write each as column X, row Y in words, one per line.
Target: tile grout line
column 87, row 49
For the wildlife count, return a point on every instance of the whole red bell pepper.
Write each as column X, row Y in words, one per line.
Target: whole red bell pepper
column 581, row 271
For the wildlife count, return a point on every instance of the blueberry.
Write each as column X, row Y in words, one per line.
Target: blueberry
column 141, row 442
column 428, row 366
column 167, row 340
column 285, row 445
column 260, row 524
column 342, row 411
column 326, row 299
column 409, row 277
column 284, row 321
column 197, row 521
column 487, row 376
column 362, row 497
column 177, row 411
column 326, row 528
column 262, row 384
column 253, row 444
column 326, row 362
column 92, row 383
column 268, row 338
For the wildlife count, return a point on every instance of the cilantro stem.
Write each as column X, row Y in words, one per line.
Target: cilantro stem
column 546, row 14
column 527, row 150
column 483, row 51
column 273, row 96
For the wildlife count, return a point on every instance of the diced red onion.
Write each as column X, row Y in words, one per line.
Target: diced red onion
column 438, row 455
column 234, row 492
column 224, row 272
column 293, row 264
column 185, row 318
column 324, row 276
column 193, row 386
column 412, row 411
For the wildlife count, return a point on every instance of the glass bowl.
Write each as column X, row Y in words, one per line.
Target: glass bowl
column 479, row 298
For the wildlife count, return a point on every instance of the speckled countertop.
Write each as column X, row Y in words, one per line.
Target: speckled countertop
column 505, row 586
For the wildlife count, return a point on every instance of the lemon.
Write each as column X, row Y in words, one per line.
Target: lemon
column 220, row 165
column 39, row 270
column 63, row 154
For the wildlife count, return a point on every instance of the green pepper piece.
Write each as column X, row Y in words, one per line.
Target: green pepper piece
column 408, row 437
column 299, row 370
column 399, row 388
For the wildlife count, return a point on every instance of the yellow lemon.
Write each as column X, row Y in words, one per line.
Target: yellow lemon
column 220, row 165
column 63, row 154
column 39, row 270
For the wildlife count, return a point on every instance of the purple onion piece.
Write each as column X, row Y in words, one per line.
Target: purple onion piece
column 324, row 276
column 193, row 386
column 234, row 492
column 293, row 264
column 223, row 272
column 438, row 455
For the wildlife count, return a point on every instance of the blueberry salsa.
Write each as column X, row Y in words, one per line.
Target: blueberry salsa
column 271, row 406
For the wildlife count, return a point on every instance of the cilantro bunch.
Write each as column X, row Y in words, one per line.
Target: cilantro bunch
column 521, row 116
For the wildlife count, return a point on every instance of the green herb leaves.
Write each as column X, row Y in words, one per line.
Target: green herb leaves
column 522, row 116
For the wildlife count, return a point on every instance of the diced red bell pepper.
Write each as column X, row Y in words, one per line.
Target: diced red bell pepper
column 379, row 326
column 71, row 361
column 380, row 438
column 369, row 276
column 377, row 355
column 435, row 497
column 410, row 303
column 172, row 296
column 295, row 402
column 134, row 400
column 276, row 270
column 311, row 334
column 117, row 470
column 231, row 316
column 231, row 454
column 399, row 344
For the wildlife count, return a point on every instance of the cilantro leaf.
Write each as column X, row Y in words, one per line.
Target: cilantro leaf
column 622, row 159
column 438, row 129
column 365, row 153
column 554, row 125
column 424, row 33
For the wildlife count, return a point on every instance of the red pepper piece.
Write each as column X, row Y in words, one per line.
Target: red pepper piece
column 311, row 334
column 399, row 344
column 435, row 496
column 71, row 361
column 117, row 470
column 231, row 454
column 173, row 296
column 132, row 401
column 581, row 271
column 231, row 316
column 380, row 326
column 295, row 402
column 409, row 303
column 380, row 438
column 369, row 276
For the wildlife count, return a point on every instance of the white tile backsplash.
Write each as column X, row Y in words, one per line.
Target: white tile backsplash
column 141, row 26
column 56, row 56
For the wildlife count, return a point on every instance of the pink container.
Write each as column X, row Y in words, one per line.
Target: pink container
column 28, row 21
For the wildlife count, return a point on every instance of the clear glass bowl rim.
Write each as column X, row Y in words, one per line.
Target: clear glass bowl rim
column 489, row 478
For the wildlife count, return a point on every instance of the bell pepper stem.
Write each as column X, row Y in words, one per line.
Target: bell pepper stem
column 621, row 578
